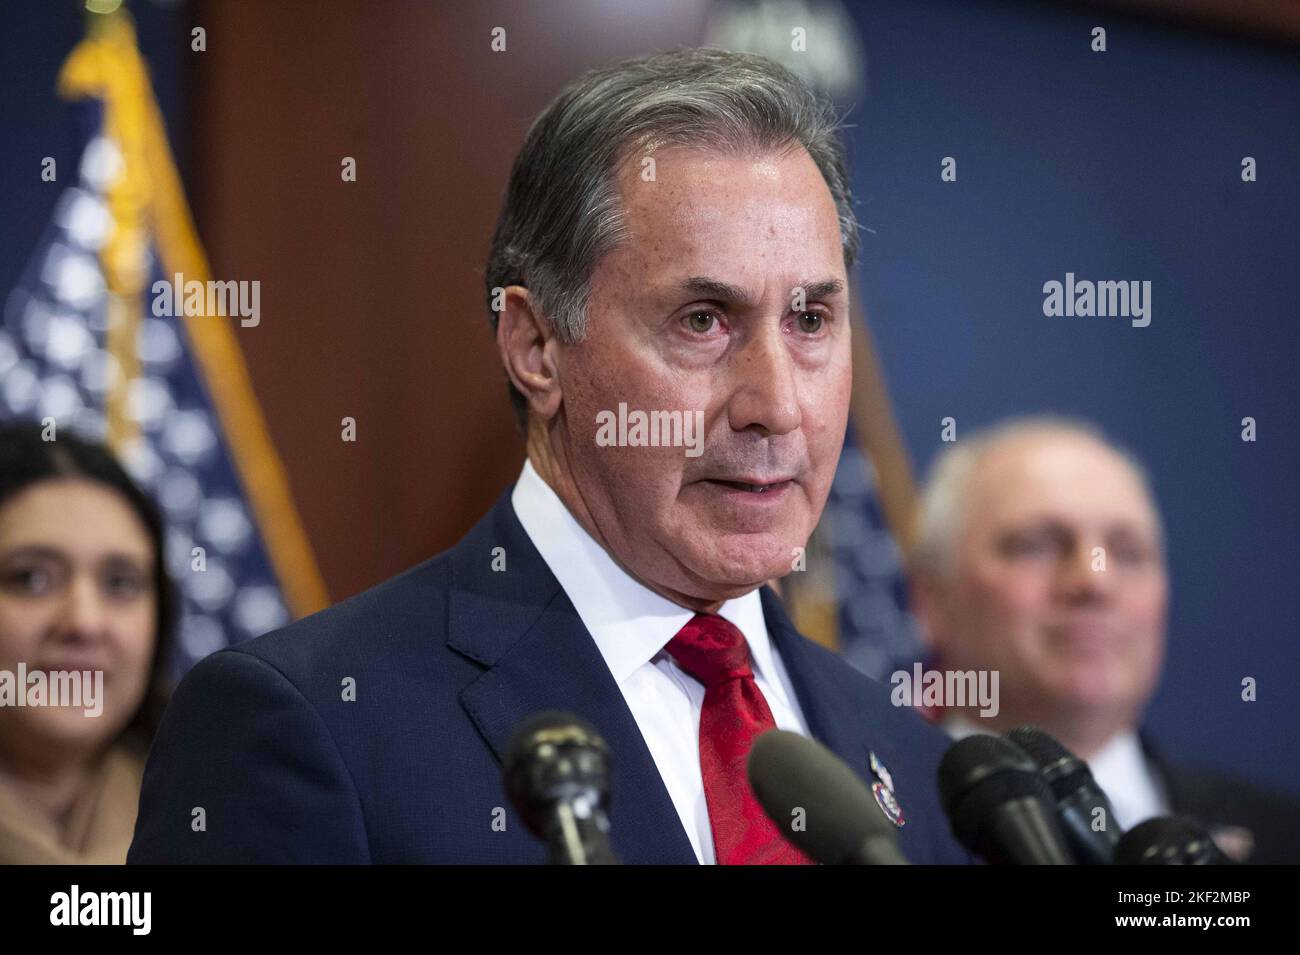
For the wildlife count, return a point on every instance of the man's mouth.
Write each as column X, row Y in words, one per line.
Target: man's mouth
column 1088, row 636
column 752, row 487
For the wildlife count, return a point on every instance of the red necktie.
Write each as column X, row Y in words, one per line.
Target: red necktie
column 714, row 651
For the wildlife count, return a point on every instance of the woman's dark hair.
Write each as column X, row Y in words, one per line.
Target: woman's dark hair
column 26, row 458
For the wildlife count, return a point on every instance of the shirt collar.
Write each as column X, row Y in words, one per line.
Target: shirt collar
column 629, row 622
column 1121, row 757
column 959, row 727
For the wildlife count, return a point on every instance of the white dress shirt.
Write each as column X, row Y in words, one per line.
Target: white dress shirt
column 631, row 624
column 1120, row 768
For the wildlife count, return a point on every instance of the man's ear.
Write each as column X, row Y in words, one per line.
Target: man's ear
column 527, row 345
column 929, row 606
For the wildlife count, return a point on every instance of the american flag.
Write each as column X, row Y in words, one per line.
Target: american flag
column 81, row 345
column 876, row 628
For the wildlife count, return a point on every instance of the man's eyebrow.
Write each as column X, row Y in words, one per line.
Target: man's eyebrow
column 1133, row 528
column 823, row 289
column 732, row 294
column 716, row 289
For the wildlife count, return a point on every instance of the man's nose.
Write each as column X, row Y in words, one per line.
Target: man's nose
column 766, row 393
column 1084, row 573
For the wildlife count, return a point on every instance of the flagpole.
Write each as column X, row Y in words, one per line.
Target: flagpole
column 148, row 198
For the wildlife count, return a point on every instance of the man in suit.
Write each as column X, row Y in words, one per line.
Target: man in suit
column 668, row 288
column 1042, row 558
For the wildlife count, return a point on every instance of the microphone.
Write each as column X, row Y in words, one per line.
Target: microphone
column 844, row 826
column 998, row 805
column 1168, row 840
column 557, row 772
column 1077, row 797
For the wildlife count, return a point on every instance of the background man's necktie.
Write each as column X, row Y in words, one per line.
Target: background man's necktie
column 714, row 651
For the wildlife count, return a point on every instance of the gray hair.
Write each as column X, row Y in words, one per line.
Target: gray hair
column 945, row 497
column 561, row 213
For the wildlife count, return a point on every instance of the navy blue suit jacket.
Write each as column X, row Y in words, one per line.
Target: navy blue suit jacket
column 447, row 659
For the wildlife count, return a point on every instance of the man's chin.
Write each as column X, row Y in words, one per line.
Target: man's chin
column 733, row 567
column 1093, row 692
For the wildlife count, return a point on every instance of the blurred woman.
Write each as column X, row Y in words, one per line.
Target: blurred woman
column 83, row 587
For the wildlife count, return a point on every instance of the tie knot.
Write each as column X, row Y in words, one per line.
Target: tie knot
column 711, row 649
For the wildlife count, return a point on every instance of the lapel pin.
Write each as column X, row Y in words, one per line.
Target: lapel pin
column 888, row 804
column 879, row 771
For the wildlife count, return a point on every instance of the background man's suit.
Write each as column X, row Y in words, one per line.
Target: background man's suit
column 1270, row 820
column 448, row 658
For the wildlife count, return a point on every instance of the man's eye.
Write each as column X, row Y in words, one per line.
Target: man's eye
column 1132, row 554
column 811, row 322
column 701, row 322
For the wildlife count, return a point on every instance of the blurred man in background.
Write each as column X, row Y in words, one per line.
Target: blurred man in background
column 1041, row 556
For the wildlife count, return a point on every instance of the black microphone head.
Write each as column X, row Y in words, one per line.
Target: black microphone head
column 974, row 760
column 1168, row 840
column 1063, row 772
column 1043, row 748
column 789, row 772
column 1086, row 816
column 556, row 757
column 979, row 776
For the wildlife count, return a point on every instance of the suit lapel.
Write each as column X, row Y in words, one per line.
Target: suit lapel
column 822, row 696
column 519, row 623
column 1237, row 841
